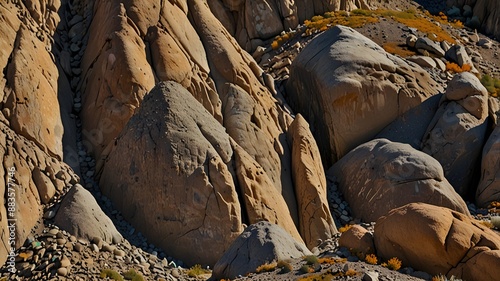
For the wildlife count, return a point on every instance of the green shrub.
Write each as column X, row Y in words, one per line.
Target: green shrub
column 133, row 275
column 196, row 270
column 285, row 267
column 311, row 259
column 111, row 274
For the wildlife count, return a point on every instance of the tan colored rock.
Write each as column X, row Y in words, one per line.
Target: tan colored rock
column 488, row 189
column 358, row 240
column 315, row 220
column 182, row 154
column 261, row 202
column 381, row 175
column 458, row 130
column 349, row 89
column 45, row 187
column 438, row 241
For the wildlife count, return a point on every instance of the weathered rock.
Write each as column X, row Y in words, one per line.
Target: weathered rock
column 315, row 220
column 45, row 187
column 458, row 55
column 380, row 175
column 80, row 215
column 260, row 243
column 438, row 241
column 358, row 240
column 175, row 147
column 457, row 132
column 423, row 61
column 411, row 40
column 487, row 14
column 349, row 89
column 488, row 189
column 427, row 44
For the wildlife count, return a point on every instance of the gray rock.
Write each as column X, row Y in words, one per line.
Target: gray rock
column 453, row 12
column 260, row 243
column 458, row 55
column 81, row 216
column 411, row 40
column 429, row 45
column 489, row 185
column 423, row 61
column 370, row 276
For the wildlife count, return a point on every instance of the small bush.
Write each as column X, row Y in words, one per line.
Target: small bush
column 196, row 270
column 267, row 267
column 444, row 278
column 111, row 274
column 371, row 259
column 345, row 228
column 306, row 269
column 331, row 260
column 393, row 264
column 311, row 259
column 285, row 267
column 455, row 68
column 317, row 18
column 493, row 87
column 361, row 12
column 133, row 275
column 351, row 272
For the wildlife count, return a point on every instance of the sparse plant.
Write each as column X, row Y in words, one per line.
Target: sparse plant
column 345, row 228
column 285, row 267
column 371, row 259
column 393, row 264
column 351, row 272
column 455, row 68
column 397, row 49
column 493, row 87
column 196, row 270
column 105, row 273
column 444, row 278
column 310, row 259
column 267, row 267
column 332, row 260
column 306, row 269
column 133, row 275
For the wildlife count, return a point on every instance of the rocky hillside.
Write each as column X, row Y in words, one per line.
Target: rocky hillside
column 150, row 136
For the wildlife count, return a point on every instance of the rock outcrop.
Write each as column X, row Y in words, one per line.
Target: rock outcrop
column 260, row 243
column 252, row 22
column 174, row 160
column 80, row 215
column 348, row 89
column 315, row 220
column 438, row 241
column 458, row 130
column 488, row 14
column 380, row 175
column 488, row 189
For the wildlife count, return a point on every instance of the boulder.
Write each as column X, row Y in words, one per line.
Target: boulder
column 81, row 216
column 381, row 175
column 423, row 61
column 260, row 243
column 458, row 55
column 358, row 240
column 488, row 189
column 174, row 160
column 457, row 132
column 438, row 240
column 427, row 44
column 315, row 220
column 349, row 89
column 487, row 14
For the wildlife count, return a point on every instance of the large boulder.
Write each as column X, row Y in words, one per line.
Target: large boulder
column 381, row 175
column 438, row 240
column 174, row 160
column 260, row 243
column 457, row 132
column 81, row 216
column 488, row 13
column 488, row 189
column 315, row 220
column 349, row 89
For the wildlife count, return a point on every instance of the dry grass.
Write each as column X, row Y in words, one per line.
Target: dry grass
column 345, row 228
column 397, row 49
column 267, row 267
column 493, row 87
column 371, row 259
column 197, row 270
column 331, row 260
column 393, row 264
column 329, row 275
column 455, row 68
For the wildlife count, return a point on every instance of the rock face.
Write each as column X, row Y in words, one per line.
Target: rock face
column 489, row 186
column 380, row 175
column 251, row 22
column 315, row 219
column 438, row 241
column 173, row 160
column 457, row 132
column 260, row 243
column 81, row 216
column 349, row 89
column 488, row 13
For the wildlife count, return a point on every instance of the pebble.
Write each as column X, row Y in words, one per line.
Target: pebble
column 65, row 262
column 62, row 271
column 79, row 247
column 118, row 253
column 94, row 248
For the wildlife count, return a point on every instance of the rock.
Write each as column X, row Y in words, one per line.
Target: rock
column 380, row 175
column 423, row 61
column 81, row 216
column 485, row 43
column 486, row 17
column 119, row 253
column 62, row 271
column 349, row 94
column 458, row 55
column 456, row 133
column 488, row 189
column 260, row 243
column 370, row 276
column 45, row 187
column 65, row 262
column 453, row 12
column 440, row 64
column 438, row 241
column 315, row 220
column 189, row 148
column 467, row 11
column 429, row 45
column 358, row 240
column 411, row 40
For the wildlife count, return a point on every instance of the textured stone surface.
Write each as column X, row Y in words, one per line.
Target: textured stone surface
column 315, row 220
column 358, row 240
column 489, row 185
column 438, row 241
column 457, row 132
column 349, row 89
column 381, row 175
column 260, row 243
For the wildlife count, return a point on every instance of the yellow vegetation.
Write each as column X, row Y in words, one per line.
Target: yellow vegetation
column 494, row 204
column 345, row 228
column 371, row 259
column 281, row 39
column 455, row 68
column 493, row 87
column 197, row 270
column 284, row 266
column 267, row 267
column 329, row 275
column 393, row 264
column 351, row 272
column 331, row 260
column 396, row 49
